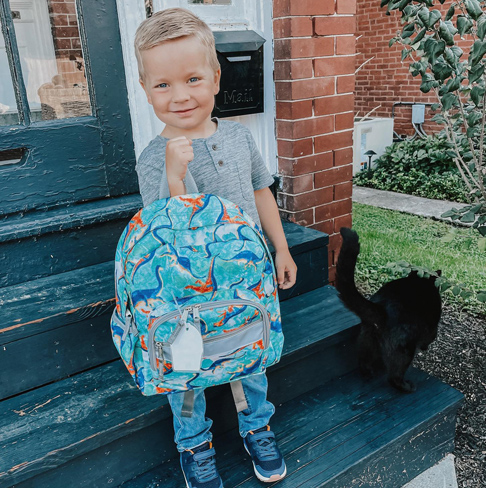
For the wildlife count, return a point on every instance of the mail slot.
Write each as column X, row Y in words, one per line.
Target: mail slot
column 240, row 54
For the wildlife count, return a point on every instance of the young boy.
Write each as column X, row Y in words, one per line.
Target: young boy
column 180, row 74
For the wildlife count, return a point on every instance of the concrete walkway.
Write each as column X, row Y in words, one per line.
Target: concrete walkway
column 405, row 203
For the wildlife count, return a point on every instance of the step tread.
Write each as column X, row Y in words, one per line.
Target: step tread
column 46, row 303
column 325, row 432
column 72, row 216
column 83, row 411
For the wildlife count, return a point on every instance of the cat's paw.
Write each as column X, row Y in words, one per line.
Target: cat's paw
column 403, row 385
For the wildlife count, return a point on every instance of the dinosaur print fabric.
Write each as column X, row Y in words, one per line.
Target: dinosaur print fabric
column 194, row 261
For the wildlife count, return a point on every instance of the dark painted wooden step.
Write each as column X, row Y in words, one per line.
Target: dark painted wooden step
column 77, row 422
column 62, row 321
column 347, row 433
column 45, row 243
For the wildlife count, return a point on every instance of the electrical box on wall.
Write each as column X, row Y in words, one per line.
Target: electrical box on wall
column 240, row 54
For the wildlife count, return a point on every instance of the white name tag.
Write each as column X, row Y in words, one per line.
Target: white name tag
column 187, row 349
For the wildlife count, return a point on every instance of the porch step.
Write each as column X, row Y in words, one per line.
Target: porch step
column 74, row 432
column 344, row 434
column 62, row 321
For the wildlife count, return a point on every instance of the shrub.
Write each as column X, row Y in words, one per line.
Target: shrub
column 419, row 167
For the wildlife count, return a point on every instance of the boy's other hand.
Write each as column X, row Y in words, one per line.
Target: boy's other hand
column 286, row 269
column 178, row 154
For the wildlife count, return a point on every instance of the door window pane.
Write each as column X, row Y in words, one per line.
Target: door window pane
column 8, row 105
column 51, row 57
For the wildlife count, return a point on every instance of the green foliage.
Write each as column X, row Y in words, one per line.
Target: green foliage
column 421, row 167
column 429, row 39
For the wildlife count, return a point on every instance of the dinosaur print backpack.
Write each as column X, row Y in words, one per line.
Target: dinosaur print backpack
column 196, row 296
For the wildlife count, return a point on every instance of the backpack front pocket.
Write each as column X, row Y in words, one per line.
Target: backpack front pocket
column 226, row 351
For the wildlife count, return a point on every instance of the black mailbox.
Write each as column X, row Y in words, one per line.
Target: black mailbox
column 240, row 54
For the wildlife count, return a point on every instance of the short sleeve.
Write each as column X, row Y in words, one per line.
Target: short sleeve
column 260, row 176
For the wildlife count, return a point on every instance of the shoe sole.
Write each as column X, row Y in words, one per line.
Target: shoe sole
column 273, row 478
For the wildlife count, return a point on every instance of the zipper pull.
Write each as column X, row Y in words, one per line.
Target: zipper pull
column 128, row 324
column 196, row 316
column 185, row 314
column 160, row 356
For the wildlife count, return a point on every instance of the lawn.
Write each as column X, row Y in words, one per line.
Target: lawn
column 387, row 236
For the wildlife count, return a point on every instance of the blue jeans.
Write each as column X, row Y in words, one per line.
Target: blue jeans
column 193, row 431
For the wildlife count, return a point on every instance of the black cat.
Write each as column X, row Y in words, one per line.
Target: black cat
column 402, row 316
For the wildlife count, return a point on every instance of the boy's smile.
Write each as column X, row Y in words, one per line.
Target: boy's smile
column 180, row 85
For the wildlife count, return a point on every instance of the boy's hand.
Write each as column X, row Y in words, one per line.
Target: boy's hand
column 286, row 269
column 178, row 154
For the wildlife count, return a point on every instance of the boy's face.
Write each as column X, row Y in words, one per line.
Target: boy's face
column 180, row 85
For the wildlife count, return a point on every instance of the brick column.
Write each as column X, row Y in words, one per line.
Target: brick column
column 314, row 84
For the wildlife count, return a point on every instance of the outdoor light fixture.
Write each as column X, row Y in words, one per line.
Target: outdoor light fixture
column 370, row 154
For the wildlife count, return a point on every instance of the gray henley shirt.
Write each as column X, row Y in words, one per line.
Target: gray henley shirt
column 227, row 164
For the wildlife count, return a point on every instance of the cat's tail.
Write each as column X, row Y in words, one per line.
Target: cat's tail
column 369, row 312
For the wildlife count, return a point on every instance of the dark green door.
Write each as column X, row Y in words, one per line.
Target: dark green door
column 65, row 133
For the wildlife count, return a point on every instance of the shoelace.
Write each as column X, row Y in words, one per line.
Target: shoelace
column 206, row 466
column 266, row 447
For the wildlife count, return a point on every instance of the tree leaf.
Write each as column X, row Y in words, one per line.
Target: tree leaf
column 441, row 71
column 463, row 24
column 435, row 15
column 450, row 13
column 475, row 73
column 446, row 34
column 478, row 50
column 458, row 52
column 420, row 35
column 477, row 94
column 384, row 2
column 474, row 9
column 468, row 218
column 453, row 84
column 481, row 31
column 473, row 118
column 448, row 101
column 423, row 15
column 403, row 4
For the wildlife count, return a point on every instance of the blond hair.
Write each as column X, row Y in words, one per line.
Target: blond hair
column 170, row 24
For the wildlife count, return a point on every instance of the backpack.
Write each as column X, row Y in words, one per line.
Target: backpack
column 196, row 297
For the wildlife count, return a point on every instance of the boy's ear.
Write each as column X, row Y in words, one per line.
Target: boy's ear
column 217, row 79
column 146, row 93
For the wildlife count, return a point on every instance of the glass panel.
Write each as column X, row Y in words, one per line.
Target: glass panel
column 210, row 2
column 51, row 57
column 8, row 106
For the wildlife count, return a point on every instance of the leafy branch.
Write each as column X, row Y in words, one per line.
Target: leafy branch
column 429, row 38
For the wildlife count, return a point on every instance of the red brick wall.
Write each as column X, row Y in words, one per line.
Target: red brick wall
column 67, row 43
column 314, row 83
column 385, row 79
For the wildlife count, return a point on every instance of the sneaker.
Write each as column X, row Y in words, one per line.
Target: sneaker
column 268, row 462
column 199, row 467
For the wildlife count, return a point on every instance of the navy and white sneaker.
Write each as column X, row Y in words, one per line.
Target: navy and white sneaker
column 268, row 462
column 199, row 467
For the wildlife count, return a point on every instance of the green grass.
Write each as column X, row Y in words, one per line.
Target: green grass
column 387, row 236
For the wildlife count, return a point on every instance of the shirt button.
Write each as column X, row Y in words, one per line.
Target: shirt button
column 215, row 146
column 220, row 162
